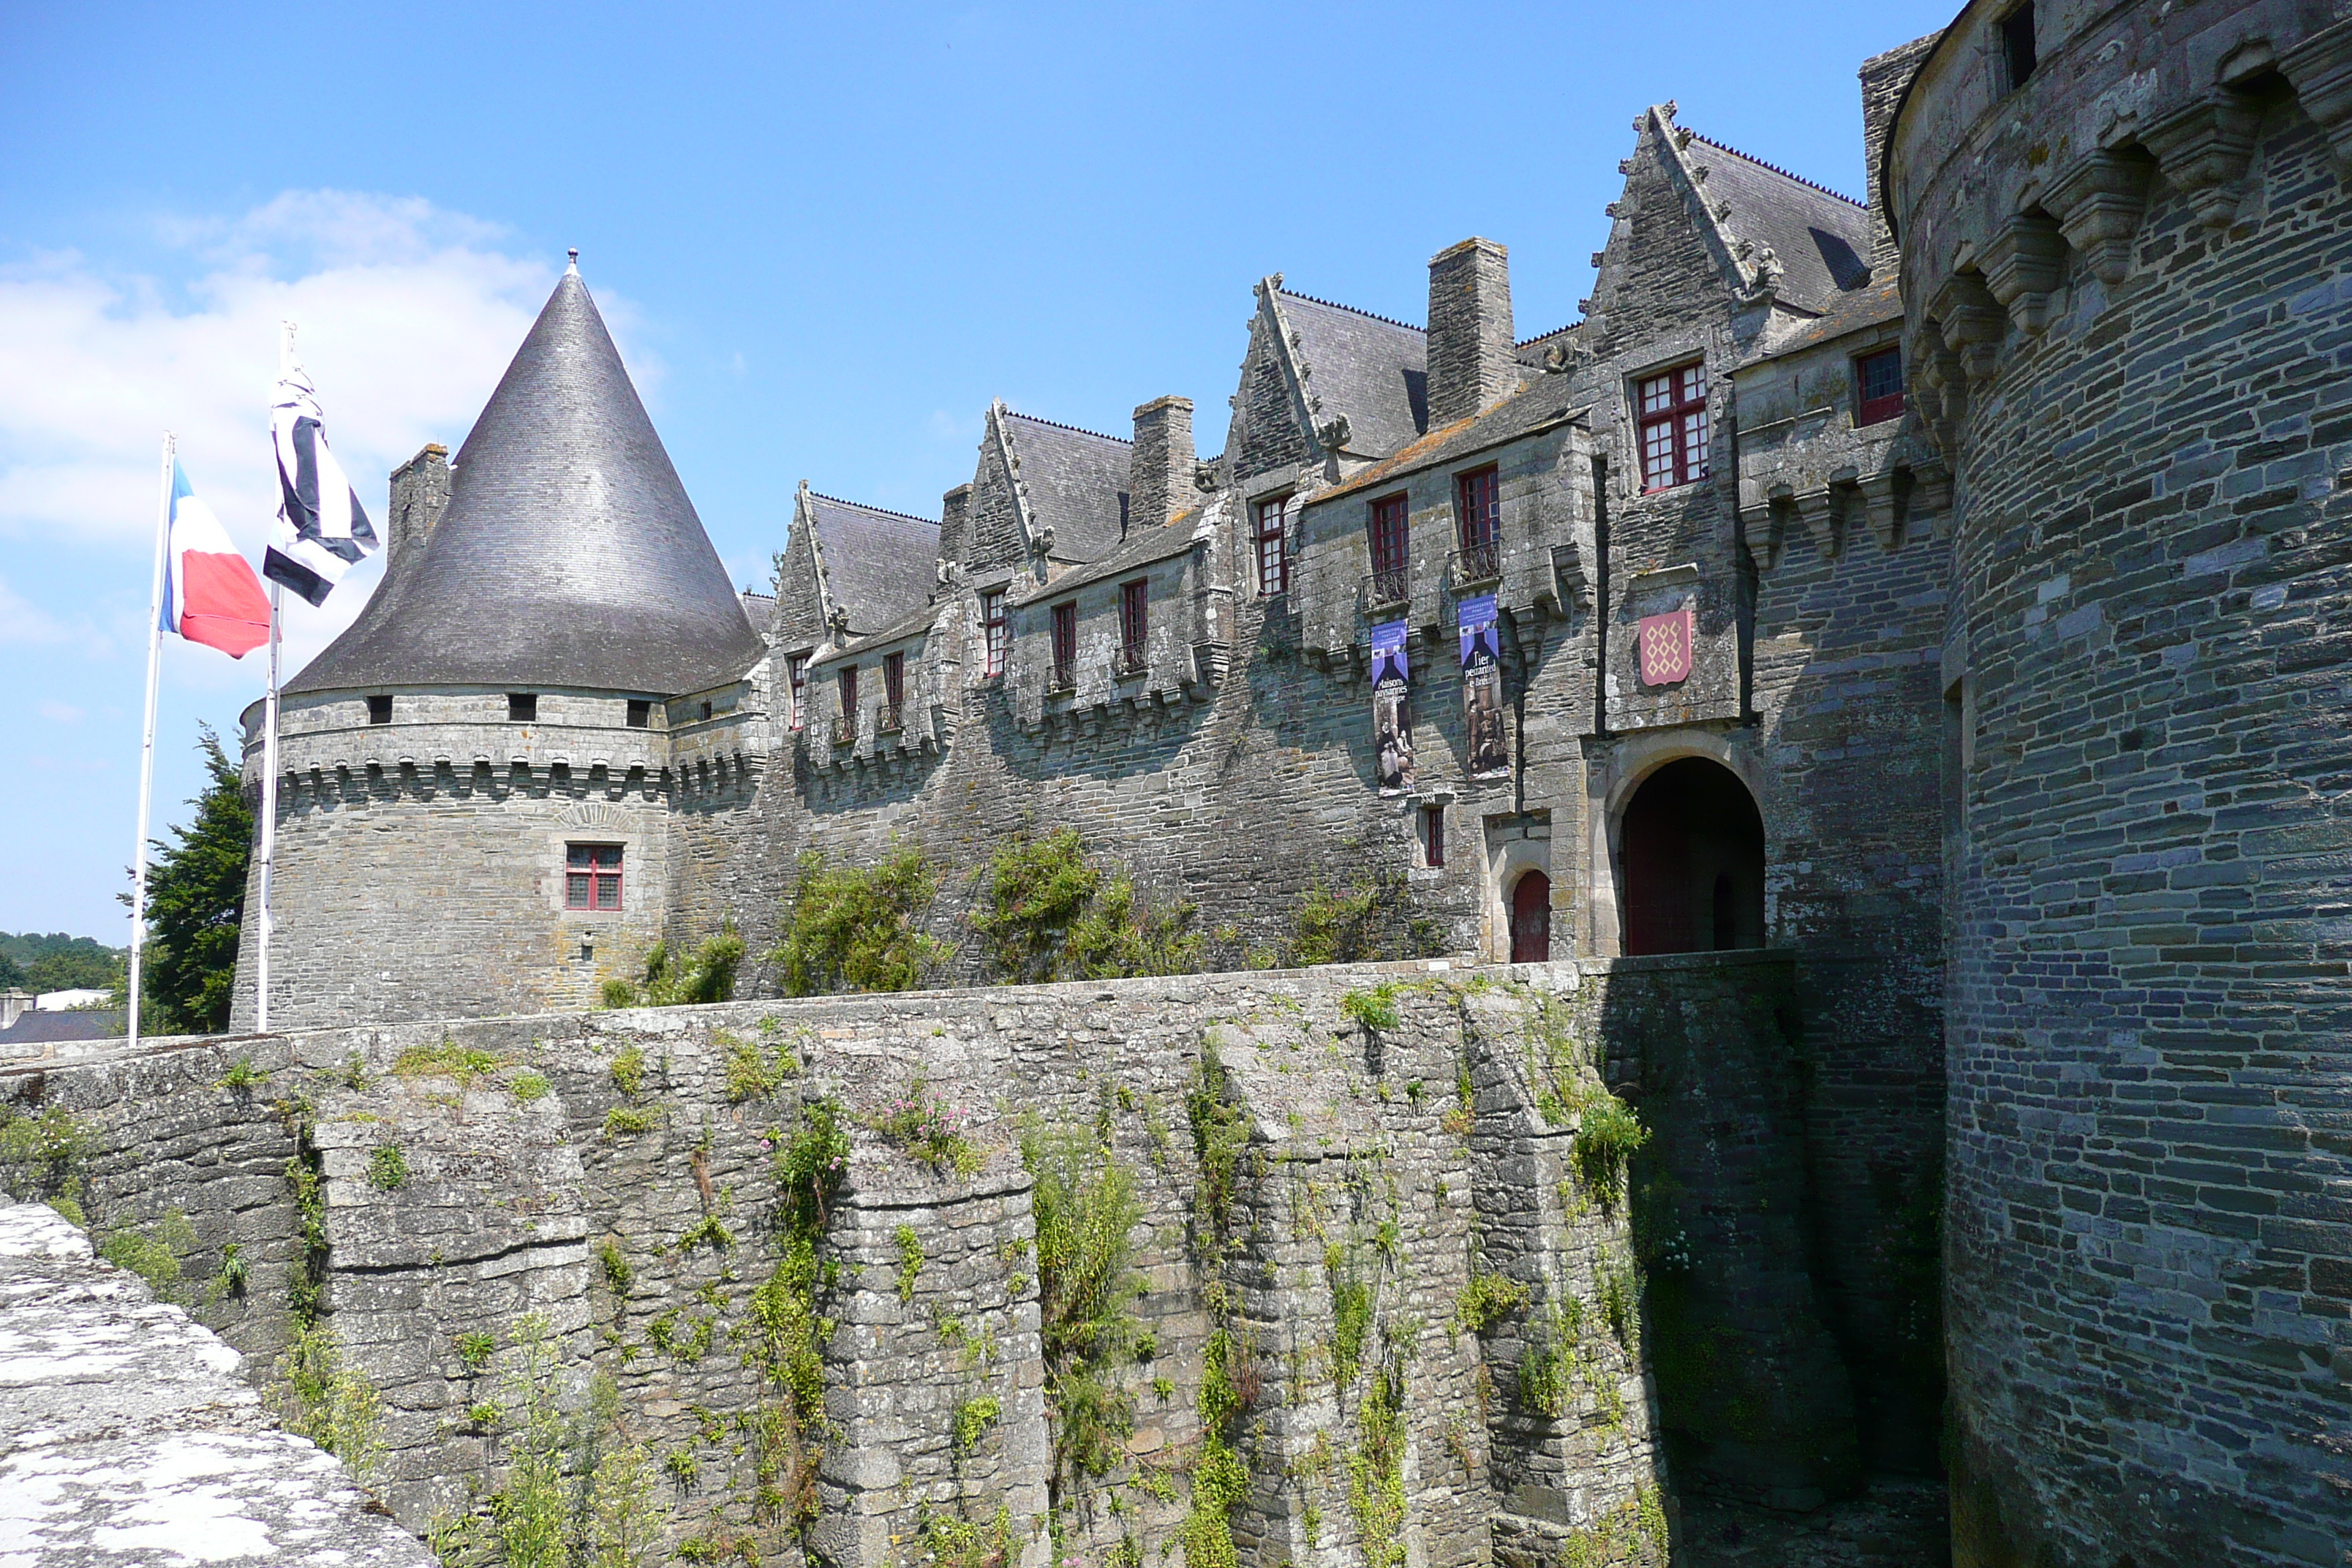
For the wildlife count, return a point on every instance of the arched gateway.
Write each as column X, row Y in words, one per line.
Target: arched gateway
column 1691, row 861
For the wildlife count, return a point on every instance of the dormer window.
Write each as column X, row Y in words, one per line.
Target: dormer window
column 1672, row 414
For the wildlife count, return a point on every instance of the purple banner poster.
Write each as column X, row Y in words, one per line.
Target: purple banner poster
column 1482, row 687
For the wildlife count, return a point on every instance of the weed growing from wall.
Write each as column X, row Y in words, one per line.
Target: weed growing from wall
column 1373, row 1010
column 328, row 1401
column 674, row 979
column 1049, row 913
column 911, row 1261
column 153, row 1255
column 41, row 1158
column 857, row 928
column 1487, row 1301
column 1376, row 1471
column 1085, row 1212
column 928, row 1130
column 756, row 1067
column 387, row 1167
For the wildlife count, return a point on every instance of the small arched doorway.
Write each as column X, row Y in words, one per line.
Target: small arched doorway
column 1692, row 855
column 1531, row 918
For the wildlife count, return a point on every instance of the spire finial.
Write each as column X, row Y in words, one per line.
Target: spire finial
column 575, row 254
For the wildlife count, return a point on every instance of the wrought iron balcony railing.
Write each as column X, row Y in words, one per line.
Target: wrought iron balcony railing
column 1478, row 562
column 1393, row 586
column 845, row 729
column 890, row 719
column 1130, row 660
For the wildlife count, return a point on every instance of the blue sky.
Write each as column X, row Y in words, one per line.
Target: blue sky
column 824, row 236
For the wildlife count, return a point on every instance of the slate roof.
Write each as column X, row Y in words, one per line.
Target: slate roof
column 1075, row 479
column 757, row 608
column 1139, row 548
column 569, row 554
column 1374, row 370
column 1821, row 239
column 1860, row 308
column 914, row 623
column 877, row 564
column 1545, row 401
column 34, row 1028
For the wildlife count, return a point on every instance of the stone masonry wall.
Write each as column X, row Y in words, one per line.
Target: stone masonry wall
column 593, row 1191
column 2151, row 1304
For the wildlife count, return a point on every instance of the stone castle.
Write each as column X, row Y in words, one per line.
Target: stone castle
column 1879, row 684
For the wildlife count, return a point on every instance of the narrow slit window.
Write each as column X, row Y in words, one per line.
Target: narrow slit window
column 1134, row 622
column 2017, row 45
column 1066, row 645
column 797, row 665
column 992, row 620
column 1391, row 547
column 894, row 690
column 1273, row 549
column 592, row 877
column 1433, row 835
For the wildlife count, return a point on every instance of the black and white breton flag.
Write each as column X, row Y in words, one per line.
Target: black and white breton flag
column 321, row 528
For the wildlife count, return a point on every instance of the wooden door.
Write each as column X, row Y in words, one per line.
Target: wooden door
column 1531, row 918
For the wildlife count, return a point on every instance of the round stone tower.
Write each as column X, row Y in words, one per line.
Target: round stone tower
column 477, row 778
column 2127, row 237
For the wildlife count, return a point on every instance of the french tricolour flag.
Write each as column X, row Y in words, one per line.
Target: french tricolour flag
column 210, row 594
column 321, row 529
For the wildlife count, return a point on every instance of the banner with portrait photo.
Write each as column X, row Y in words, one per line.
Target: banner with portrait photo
column 1482, row 687
column 1391, row 710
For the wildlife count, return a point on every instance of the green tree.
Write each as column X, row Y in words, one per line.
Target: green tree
column 849, row 929
column 195, row 901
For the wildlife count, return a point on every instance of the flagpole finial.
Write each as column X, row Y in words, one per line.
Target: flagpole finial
column 575, row 254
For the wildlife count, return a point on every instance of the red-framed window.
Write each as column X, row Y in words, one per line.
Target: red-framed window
column 1478, row 510
column 1433, row 835
column 1389, row 540
column 993, row 632
column 1273, row 548
column 848, row 679
column 1134, row 620
column 1673, row 412
column 1066, row 643
column 592, row 877
column 1878, row 387
column 894, row 678
column 797, row 667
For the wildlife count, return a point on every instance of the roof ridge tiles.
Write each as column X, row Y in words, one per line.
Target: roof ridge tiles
column 1351, row 309
column 869, row 506
column 1074, row 429
column 1553, row 333
column 1799, row 179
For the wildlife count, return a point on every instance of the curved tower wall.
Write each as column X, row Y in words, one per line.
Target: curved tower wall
column 2128, row 285
column 420, row 864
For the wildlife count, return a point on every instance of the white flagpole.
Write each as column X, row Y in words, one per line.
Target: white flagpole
column 269, row 744
column 147, row 744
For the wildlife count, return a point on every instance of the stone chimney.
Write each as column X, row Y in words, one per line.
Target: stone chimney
column 955, row 523
column 1160, row 470
column 1470, row 367
column 420, row 494
column 13, row 1005
column 1884, row 77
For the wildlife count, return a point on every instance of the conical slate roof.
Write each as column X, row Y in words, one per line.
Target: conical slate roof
column 568, row 556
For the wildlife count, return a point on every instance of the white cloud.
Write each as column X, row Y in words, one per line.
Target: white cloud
column 407, row 315
column 60, row 712
column 21, row 622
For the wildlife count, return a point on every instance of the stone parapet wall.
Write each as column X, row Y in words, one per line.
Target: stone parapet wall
column 571, row 1201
